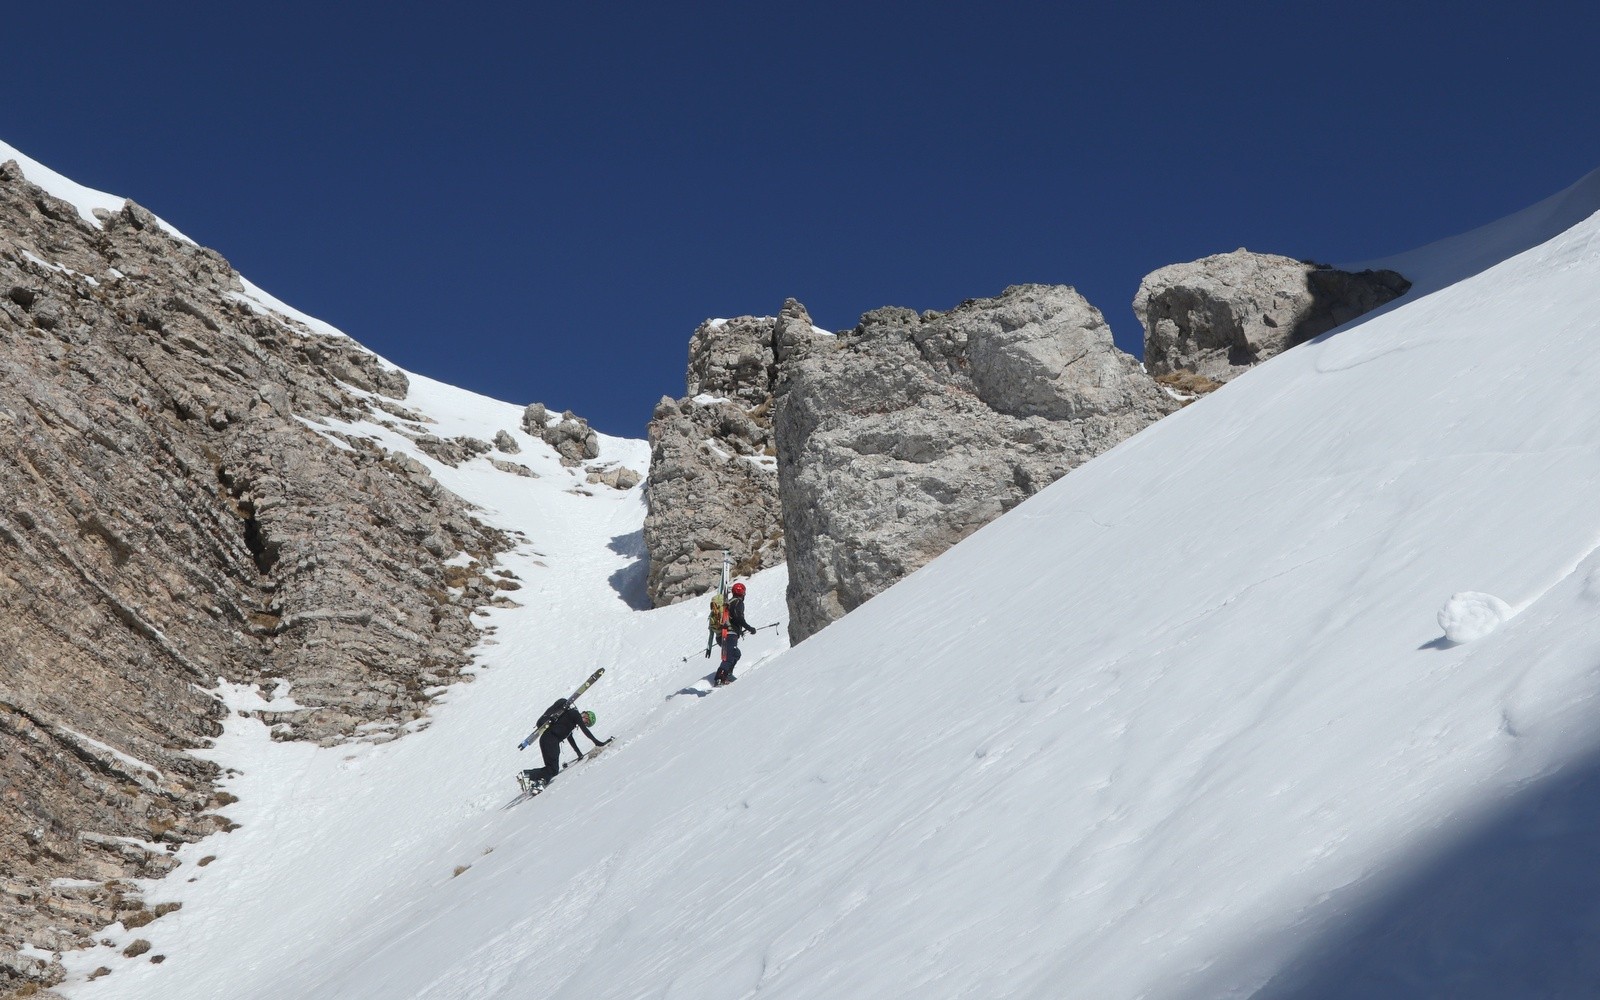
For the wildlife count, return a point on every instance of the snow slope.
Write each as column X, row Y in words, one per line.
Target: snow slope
column 1182, row 725
column 1456, row 258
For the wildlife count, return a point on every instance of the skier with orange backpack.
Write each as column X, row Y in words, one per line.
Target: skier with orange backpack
column 733, row 625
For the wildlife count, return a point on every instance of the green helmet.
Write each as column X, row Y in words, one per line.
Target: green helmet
column 588, row 718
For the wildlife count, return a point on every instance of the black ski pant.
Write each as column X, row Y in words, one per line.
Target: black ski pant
column 550, row 746
column 730, row 655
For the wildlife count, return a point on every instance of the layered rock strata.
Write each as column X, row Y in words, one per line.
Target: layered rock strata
column 713, row 483
column 175, row 514
column 912, row 431
column 1218, row 316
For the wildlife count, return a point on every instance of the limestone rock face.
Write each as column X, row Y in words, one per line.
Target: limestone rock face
column 713, row 461
column 173, row 518
column 913, row 431
column 1222, row 314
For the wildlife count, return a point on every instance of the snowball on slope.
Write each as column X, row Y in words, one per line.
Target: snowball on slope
column 1469, row 615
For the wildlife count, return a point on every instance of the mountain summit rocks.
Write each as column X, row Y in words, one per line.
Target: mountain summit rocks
column 911, row 431
column 1222, row 314
column 713, row 482
column 858, row 458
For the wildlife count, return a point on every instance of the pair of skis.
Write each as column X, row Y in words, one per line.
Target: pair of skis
column 722, row 589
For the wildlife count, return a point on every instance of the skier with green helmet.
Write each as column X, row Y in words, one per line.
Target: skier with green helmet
column 559, row 720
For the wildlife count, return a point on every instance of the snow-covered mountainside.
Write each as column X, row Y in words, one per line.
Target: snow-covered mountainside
column 1182, row 725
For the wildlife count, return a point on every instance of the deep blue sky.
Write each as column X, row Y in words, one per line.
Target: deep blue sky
column 540, row 201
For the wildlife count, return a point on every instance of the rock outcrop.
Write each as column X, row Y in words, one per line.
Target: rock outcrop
column 713, row 460
column 618, row 477
column 1218, row 316
column 177, row 513
column 570, row 436
column 915, row 430
column 505, row 443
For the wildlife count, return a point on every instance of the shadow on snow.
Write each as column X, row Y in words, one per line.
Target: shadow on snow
column 630, row 582
column 1508, row 908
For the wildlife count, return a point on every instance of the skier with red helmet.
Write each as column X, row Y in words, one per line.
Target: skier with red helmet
column 733, row 626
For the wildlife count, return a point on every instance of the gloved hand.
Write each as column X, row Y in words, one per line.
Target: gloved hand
column 708, row 652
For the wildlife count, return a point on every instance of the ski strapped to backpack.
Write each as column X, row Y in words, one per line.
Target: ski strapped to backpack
column 569, row 699
column 718, row 619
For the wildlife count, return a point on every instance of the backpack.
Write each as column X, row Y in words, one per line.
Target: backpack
column 719, row 613
column 553, row 712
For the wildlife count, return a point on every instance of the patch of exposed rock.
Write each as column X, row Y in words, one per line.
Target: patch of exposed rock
column 174, row 515
column 504, row 442
column 1222, row 314
column 916, row 430
column 515, row 468
column 618, row 477
column 452, row 451
column 570, row 435
column 713, row 483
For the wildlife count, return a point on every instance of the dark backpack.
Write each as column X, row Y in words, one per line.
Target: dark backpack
column 553, row 712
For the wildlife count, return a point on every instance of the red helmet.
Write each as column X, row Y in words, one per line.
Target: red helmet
column 738, row 590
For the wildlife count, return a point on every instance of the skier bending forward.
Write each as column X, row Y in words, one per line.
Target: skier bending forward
column 563, row 718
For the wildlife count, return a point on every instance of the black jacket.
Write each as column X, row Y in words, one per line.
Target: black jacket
column 563, row 718
column 736, row 623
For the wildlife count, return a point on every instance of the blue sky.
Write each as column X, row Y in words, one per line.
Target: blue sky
column 541, row 202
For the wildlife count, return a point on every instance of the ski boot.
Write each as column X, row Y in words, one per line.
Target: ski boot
column 529, row 784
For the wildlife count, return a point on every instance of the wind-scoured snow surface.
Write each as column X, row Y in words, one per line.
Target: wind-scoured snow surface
column 1183, row 725
column 1458, row 257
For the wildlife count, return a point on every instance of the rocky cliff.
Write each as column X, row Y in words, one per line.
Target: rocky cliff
column 173, row 515
column 902, row 436
column 713, row 482
column 912, row 431
column 1218, row 316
